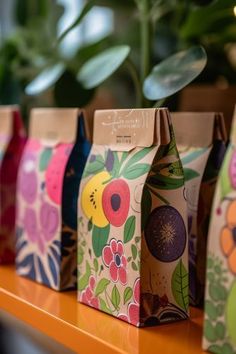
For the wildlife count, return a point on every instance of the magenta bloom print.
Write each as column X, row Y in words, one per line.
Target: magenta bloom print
column 113, row 257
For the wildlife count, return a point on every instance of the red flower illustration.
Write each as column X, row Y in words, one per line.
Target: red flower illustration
column 87, row 296
column 133, row 307
column 113, row 257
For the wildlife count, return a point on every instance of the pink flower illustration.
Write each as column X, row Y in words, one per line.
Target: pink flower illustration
column 133, row 307
column 87, row 295
column 113, row 257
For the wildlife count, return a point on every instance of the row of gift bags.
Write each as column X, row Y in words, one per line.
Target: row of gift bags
column 131, row 211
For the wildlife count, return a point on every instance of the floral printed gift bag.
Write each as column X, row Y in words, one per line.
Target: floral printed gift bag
column 200, row 139
column 220, row 295
column 132, row 238
column 48, row 183
column 12, row 141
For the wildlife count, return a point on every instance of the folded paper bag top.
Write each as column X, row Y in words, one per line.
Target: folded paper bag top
column 132, row 220
column 200, row 139
column 48, row 183
column 219, row 335
column 12, row 141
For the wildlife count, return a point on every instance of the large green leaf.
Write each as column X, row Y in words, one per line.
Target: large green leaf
column 100, row 67
column 159, row 181
column 99, row 238
column 174, row 73
column 179, row 285
column 47, row 78
column 193, row 155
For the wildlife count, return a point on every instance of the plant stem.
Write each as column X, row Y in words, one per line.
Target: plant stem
column 145, row 32
column 136, row 81
column 145, row 38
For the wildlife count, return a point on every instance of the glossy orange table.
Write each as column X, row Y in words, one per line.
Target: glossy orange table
column 86, row 330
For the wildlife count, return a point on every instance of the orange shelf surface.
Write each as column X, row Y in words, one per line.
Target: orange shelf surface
column 86, row 330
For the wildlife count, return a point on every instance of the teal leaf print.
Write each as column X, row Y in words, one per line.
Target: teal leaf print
column 128, row 293
column 193, row 156
column 179, row 285
column 115, row 297
column 99, row 238
column 84, row 279
column 190, row 174
column 44, row 159
column 211, row 310
column 135, row 171
column 129, row 229
column 101, row 286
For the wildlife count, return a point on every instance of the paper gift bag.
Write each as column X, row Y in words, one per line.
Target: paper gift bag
column 47, row 194
column 12, row 141
column 200, row 139
column 132, row 254
column 220, row 295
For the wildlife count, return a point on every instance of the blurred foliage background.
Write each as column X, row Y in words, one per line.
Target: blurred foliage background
column 29, row 45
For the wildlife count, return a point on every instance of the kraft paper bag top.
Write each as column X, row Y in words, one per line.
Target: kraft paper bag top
column 220, row 294
column 48, row 183
column 132, row 238
column 200, row 139
column 12, row 141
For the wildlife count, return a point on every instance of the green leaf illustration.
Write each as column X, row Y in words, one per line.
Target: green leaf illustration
column 80, row 255
column 115, row 297
column 104, row 307
column 227, row 349
column 135, row 171
column 94, row 167
column 146, row 206
column 44, row 159
column 217, row 292
column 193, row 156
column 83, row 281
column 220, row 330
column 90, row 224
column 129, row 229
column 225, row 183
column 99, row 238
column 209, row 331
column 134, row 266
column 116, row 166
column 211, row 310
column 190, row 174
column 138, row 156
column 159, row 181
column 214, row 348
column 179, row 285
column 101, row 286
column 128, row 293
column 134, row 251
column 95, row 264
